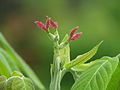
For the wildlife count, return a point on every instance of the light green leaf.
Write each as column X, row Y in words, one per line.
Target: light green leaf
column 5, row 69
column 65, row 52
column 82, row 67
column 114, row 83
column 83, row 58
column 19, row 83
column 97, row 76
column 3, row 82
column 20, row 62
column 78, row 69
column 105, row 58
column 9, row 60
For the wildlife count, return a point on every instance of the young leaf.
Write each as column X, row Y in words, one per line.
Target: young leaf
column 65, row 52
column 19, row 83
column 20, row 62
column 83, row 58
column 97, row 76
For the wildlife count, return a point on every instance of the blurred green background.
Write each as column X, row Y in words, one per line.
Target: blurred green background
column 98, row 20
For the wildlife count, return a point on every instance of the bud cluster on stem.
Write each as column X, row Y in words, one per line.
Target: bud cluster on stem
column 56, row 69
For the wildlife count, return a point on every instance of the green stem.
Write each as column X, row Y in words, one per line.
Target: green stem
column 55, row 67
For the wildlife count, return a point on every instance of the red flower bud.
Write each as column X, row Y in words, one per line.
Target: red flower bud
column 47, row 23
column 75, row 36
column 41, row 25
column 73, row 31
column 54, row 24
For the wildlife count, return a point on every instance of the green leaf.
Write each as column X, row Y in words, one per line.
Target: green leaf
column 5, row 69
column 114, row 83
column 20, row 62
column 78, row 69
column 19, row 83
column 83, row 58
column 105, row 58
column 9, row 60
column 97, row 76
column 3, row 83
column 65, row 52
column 65, row 38
column 82, row 67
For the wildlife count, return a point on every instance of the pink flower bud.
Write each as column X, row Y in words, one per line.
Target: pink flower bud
column 54, row 24
column 73, row 31
column 75, row 36
column 41, row 25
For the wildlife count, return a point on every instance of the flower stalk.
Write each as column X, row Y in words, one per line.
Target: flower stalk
column 57, row 71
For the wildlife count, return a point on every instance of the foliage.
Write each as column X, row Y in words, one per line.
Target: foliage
column 100, row 74
column 10, row 62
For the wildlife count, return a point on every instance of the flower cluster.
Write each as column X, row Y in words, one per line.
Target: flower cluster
column 50, row 22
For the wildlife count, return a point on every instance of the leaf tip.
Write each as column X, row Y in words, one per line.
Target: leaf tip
column 101, row 42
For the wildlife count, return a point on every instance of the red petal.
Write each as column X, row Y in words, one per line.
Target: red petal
column 54, row 24
column 41, row 25
column 75, row 36
column 73, row 31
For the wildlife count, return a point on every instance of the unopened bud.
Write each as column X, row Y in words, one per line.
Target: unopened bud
column 73, row 31
column 54, row 24
column 41, row 25
column 75, row 36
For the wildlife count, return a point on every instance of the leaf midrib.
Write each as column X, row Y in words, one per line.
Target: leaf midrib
column 95, row 73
